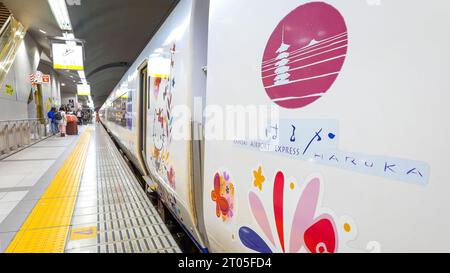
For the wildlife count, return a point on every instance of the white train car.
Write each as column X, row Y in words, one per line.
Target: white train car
column 342, row 110
column 142, row 113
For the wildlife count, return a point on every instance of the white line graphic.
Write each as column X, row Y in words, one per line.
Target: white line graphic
column 307, row 79
column 305, row 66
column 309, row 47
column 305, row 53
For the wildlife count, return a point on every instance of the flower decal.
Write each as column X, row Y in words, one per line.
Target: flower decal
column 223, row 196
column 259, row 178
column 171, row 177
column 310, row 232
column 162, row 105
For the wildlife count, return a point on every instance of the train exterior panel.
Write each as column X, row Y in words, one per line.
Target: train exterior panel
column 154, row 96
column 357, row 159
column 343, row 105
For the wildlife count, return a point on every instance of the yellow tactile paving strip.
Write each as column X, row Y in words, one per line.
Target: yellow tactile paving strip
column 46, row 228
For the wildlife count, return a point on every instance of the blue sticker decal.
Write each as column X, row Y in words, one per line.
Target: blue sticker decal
column 317, row 141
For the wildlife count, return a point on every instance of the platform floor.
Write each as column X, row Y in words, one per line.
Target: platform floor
column 77, row 195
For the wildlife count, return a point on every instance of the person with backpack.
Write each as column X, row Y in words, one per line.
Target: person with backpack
column 53, row 122
column 60, row 116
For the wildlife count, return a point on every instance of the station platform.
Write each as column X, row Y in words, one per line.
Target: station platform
column 77, row 195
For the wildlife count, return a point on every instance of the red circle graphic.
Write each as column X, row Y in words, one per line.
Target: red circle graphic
column 304, row 55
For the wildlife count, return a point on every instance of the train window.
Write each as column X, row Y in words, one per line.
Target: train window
column 118, row 113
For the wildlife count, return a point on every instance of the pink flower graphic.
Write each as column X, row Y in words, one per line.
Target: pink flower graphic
column 315, row 234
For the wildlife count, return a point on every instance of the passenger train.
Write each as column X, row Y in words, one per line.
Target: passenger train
column 344, row 109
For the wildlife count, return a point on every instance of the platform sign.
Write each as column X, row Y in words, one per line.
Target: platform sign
column 32, row 78
column 45, row 78
column 83, row 90
column 39, row 78
column 68, row 57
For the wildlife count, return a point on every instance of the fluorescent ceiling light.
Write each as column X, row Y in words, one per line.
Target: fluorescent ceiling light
column 82, row 77
column 83, row 90
column 61, row 14
column 43, row 31
column 20, row 34
column 81, row 74
column 70, row 36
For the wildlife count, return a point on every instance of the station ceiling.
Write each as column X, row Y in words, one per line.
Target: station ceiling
column 115, row 31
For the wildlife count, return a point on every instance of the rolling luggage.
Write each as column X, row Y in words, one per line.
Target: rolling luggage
column 72, row 125
column 72, row 128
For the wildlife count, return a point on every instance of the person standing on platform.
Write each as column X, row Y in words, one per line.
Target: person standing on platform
column 80, row 117
column 53, row 123
column 62, row 121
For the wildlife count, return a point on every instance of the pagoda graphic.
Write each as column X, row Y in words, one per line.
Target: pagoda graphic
column 282, row 65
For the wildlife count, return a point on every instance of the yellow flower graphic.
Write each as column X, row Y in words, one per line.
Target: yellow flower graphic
column 259, row 178
column 232, row 189
column 167, row 157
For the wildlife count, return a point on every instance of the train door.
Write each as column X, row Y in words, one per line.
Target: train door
column 200, row 23
column 149, row 116
column 143, row 106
